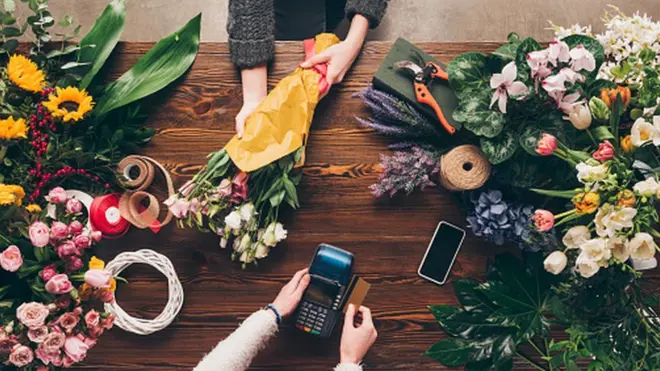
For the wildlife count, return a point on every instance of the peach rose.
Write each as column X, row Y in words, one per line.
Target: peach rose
column 21, row 356
column 11, row 259
column 76, row 348
column 32, row 315
column 38, row 335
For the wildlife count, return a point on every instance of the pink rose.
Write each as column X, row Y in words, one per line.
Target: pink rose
column 39, row 234
column 98, row 278
column 48, row 358
column 106, row 296
column 32, row 315
column 92, row 318
column 179, row 207
column 7, row 342
column 547, row 145
column 96, row 236
column 57, row 195
column 91, row 343
column 75, row 348
column 53, row 342
column 38, row 335
column 67, row 248
column 605, row 151
column 107, row 323
column 59, row 230
column 224, row 189
column 21, row 356
column 67, row 361
column 544, row 220
column 73, row 206
column 74, row 264
column 82, row 241
column 48, row 272
column 11, row 259
column 76, row 227
column 95, row 332
column 59, row 284
column 68, row 321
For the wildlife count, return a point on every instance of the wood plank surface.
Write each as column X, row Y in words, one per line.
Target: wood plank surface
column 388, row 237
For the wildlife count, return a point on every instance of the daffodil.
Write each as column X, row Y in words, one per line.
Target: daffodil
column 25, row 74
column 69, row 103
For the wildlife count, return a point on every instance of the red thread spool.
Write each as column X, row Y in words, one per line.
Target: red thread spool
column 105, row 217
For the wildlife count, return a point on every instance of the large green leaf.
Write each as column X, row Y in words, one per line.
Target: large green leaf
column 164, row 63
column 450, row 352
column 529, row 139
column 475, row 115
column 100, row 41
column 467, row 74
column 507, row 52
column 501, row 148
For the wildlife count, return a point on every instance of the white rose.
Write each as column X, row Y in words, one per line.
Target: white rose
column 233, row 220
column 555, row 262
column 648, row 187
column 247, row 211
column 642, row 246
column 268, row 237
column 620, row 248
column 261, row 251
column 642, row 132
column 586, row 267
column 591, row 173
column 280, row 232
column 576, row 236
column 246, row 257
column 596, row 250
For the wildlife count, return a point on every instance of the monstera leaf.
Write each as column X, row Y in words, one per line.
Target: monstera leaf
column 501, row 148
column 468, row 74
column 494, row 317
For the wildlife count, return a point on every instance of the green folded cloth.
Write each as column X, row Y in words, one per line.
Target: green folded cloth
column 400, row 82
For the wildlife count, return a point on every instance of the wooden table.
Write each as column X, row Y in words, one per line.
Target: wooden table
column 388, row 237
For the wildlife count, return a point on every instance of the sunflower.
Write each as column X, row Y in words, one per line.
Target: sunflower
column 25, row 74
column 69, row 103
column 12, row 129
column 11, row 194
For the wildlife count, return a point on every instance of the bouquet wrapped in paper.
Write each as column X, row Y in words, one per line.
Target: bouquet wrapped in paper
column 239, row 193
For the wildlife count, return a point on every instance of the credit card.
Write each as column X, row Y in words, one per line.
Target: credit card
column 356, row 293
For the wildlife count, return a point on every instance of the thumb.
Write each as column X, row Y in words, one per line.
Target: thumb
column 317, row 59
column 349, row 318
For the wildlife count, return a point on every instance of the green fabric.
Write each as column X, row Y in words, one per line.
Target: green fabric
column 400, row 82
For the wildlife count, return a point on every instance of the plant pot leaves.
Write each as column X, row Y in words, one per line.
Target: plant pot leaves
column 477, row 117
column 104, row 35
column 529, row 139
column 450, row 352
column 508, row 51
column 467, row 74
column 168, row 60
column 501, row 148
column 527, row 46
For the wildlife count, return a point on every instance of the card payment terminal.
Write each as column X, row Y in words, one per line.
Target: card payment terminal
column 331, row 270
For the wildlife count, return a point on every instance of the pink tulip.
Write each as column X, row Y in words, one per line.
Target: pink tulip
column 605, row 151
column 240, row 187
column 59, row 284
column 98, row 278
column 544, row 220
column 179, row 207
column 225, row 188
column 39, row 234
column 57, row 195
column 11, row 259
column 547, row 145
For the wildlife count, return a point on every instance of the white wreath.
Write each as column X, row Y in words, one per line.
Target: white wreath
column 174, row 303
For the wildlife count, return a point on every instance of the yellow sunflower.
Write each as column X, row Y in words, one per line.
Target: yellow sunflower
column 69, row 103
column 13, row 129
column 11, row 194
column 25, row 74
column 33, row 208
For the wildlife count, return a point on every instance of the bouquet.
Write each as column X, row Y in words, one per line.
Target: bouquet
column 239, row 192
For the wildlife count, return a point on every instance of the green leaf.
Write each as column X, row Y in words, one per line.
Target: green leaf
column 477, row 117
column 499, row 149
column 104, row 35
column 529, row 139
column 471, row 299
column 291, row 192
column 4, row 290
column 11, row 32
column 601, row 133
column 70, row 65
column 527, row 46
column 162, row 65
column 450, row 352
column 467, row 74
column 442, row 312
column 569, row 194
column 507, row 52
column 277, row 199
column 594, row 89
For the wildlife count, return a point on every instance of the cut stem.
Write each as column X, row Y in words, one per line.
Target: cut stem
column 532, row 363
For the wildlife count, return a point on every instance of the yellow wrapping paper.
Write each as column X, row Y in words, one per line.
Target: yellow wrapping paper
column 280, row 124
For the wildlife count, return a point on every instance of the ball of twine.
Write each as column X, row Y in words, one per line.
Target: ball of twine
column 142, row 326
column 464, row 168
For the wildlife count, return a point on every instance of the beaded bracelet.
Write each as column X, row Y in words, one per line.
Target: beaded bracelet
column 278, row 316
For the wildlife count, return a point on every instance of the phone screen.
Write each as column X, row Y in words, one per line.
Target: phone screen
column 442, row 251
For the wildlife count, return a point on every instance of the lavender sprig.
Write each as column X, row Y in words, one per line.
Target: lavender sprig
column 406, row 172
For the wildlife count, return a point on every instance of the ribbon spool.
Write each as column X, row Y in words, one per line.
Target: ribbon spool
column 105, row 216
column 138, row 174
column 464, row 168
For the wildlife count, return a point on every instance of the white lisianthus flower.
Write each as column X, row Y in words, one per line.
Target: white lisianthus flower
column 261, row 250
column 643, row 132
column 576, row 236
column 596, row 250
column 246, row 241
column 247, row 211
column 268, row 237
column 233, row 220
column 656, row 127
column 246, row 257
column 591, row 173
column 555, row 262
column 642, row 246
column 586, row 267
column 620, row 248
column 280, row 232
column 648, row 187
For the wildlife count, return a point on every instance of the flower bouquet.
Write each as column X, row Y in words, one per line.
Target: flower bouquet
column 239, row 192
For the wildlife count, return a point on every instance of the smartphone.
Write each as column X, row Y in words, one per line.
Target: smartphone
column 441, row 253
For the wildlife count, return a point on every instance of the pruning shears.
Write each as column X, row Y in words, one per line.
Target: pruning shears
column 423, row 78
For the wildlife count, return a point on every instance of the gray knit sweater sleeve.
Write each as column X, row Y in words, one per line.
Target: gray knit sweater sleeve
column 373, row 10
column 251, row 29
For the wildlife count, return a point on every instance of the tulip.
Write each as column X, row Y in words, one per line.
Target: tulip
column 98, row 278
column 579, row 116
column 605, row 152
column 547, row 145
column 599, row 109
column 609, row 96
column 544, row 220
column 626, row 144
column 587, row 203
column 555, row 262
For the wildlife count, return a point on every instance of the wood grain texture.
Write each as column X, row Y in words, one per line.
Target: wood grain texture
column 388, row 237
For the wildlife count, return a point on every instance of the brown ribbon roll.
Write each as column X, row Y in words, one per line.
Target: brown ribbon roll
column 464, row 168
column 129, row 204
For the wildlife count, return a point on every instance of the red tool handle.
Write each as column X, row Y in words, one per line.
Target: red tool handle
column 424, row 96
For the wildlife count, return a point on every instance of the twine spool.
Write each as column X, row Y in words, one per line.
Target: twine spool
column 175, row 298
column 464, row 168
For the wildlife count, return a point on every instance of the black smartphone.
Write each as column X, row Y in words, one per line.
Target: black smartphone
column 441, row 253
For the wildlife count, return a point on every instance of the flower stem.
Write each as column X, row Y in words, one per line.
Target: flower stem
column 532, row 363
column 591, row 136
column 566, row 213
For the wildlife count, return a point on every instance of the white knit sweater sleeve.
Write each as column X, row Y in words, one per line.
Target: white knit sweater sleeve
column 348, row 367
column 236, row 352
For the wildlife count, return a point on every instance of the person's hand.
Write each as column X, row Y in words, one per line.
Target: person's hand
column 357, row 339
column 248, row 107
column 290, row 295
column 255, row 89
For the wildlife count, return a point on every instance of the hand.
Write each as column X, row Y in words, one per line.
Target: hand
column 289, row 297
column 248, row 107
column 356, row 340
column 255, row 89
